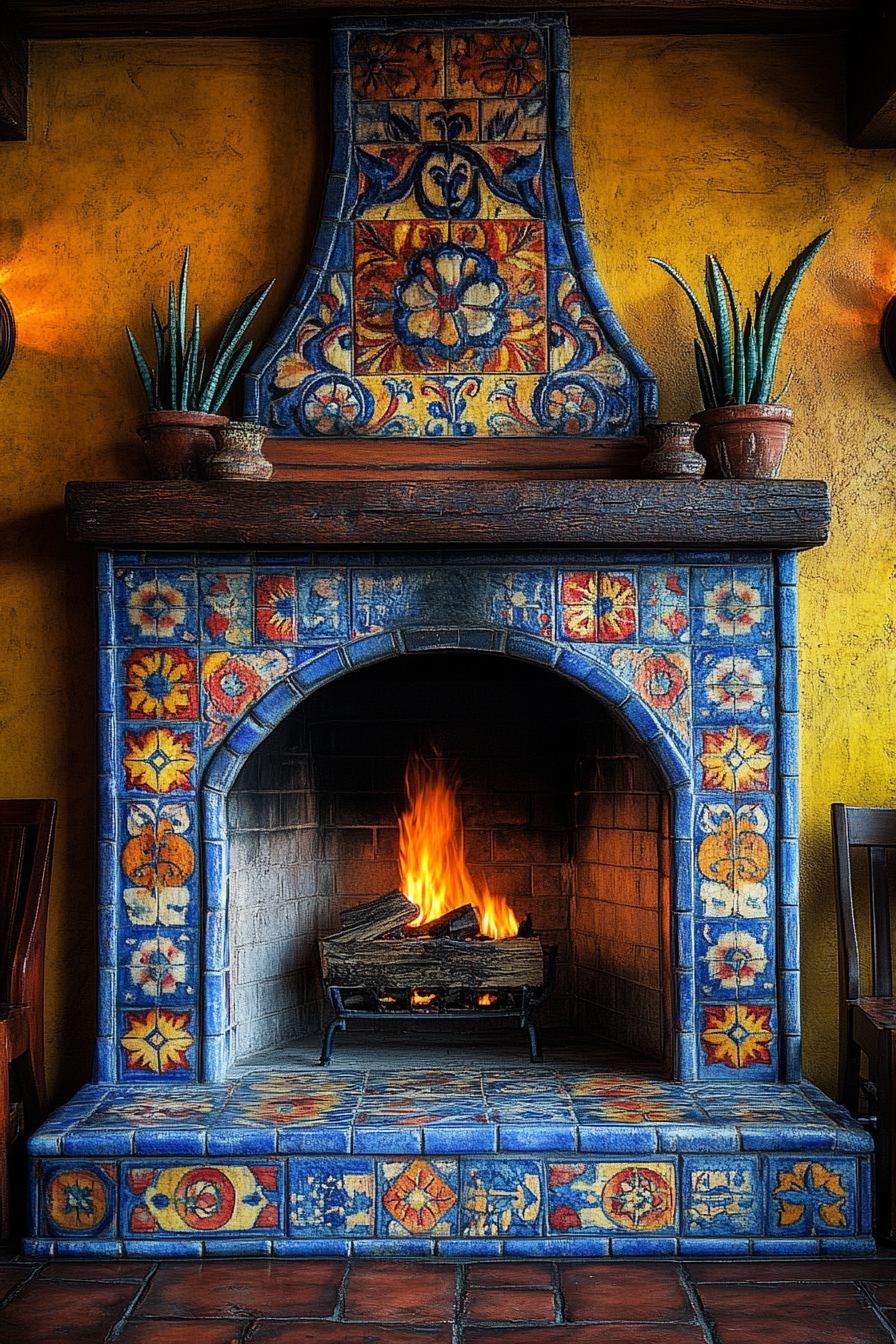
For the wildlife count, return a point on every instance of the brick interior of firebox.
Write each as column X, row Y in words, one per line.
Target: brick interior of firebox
column 562, row 815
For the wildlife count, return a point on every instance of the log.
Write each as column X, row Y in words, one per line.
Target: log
column 461, row 922
column 433, row 963
column 362, row 923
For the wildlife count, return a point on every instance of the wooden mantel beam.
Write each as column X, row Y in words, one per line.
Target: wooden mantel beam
column 13, row 80
column 872, row 77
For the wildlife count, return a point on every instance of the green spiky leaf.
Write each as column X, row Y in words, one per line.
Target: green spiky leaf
column 703, row 377
column 143, row 369
column 718, row 307
column 779, row 310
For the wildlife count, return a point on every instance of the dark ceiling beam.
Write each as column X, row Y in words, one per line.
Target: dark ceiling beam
column 13, row 80
column 872, row 77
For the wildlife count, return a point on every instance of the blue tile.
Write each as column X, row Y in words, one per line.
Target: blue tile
column 39, row 1247
column 371, row 649
column 606, row 684
column 532, row 650
column 789, row 808
column 108, row 1250
column 866, row 1203
column 107, row 755
column 789, row 857
column 711, row 1247
column 501, row 1197
column 314, row 1139
column 104, row 569
column 788, row 682
column 837, row 1246
column 534, row 1138
column 789, row 931
column 813, row 1197
column 788, row 744
column 557, row 1246
column 642, row 1245
column 85, row 1187
column 718, row 1138
column 222, row 770
column 588, row 1197
column 787, row 566
column 151, row 1142
column 317, row 671
column 45, row 1143
column 621, row 1139
column 331, row 1197
column 787, row 616
column 296, row 1247
column 721, row 1195
column 394, row 1248
column 771, row 1246
column 238, row 1141
column 239, row 1246
column 246, row 736
column 644, row 723
column 98, row 1142
column 276, row 703
column 167, row 1248
column 778, row 1138
column 670, row 760
column 462, row 1250
column 853, row 1139
column 380, row 1139
column 214, row 814
column 460, row 1138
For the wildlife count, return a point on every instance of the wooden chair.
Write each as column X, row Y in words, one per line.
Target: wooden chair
column 868, row 1022
column 27, row 828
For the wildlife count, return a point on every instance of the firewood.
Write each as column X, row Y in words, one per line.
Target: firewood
column 433, row 963
column 462, row 922
column 362, row 923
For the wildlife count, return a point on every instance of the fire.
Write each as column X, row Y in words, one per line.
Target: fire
column 431, row 860
column 487, row 1000
column 419, row 1000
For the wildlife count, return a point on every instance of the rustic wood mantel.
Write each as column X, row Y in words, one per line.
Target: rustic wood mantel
column 748, row 515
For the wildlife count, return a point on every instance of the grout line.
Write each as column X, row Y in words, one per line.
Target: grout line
column 116, row 1329
column 559, row 1303
column 704, row 1320
column 17, row 1288
column 870, row 1301
column 460, row 1297
column 339, row 1309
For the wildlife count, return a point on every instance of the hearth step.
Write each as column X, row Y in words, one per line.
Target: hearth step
column 458, row 1162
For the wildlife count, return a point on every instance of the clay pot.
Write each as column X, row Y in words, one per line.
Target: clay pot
column 672, row 456
column 175, row 441
column 237, row 454
column 744, row 442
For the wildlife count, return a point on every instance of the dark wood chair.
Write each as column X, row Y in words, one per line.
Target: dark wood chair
column 868, row 1021
column 27, row 829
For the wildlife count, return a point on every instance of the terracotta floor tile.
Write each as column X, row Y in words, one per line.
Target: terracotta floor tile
column 343, row 1332
column 792, row 1314
column 509, row 1273
column 600, row 1291
column 97, row 1269
column 182, row 1332
column 509, row 1304
column 257, row 1287
column 665, row 1333
column 783, row 1271
column 884, row 1293
column 10, row 1275
column 79, row 1313
column 400, row 1291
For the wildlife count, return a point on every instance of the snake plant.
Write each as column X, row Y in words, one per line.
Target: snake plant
column 736, row 361
column 179, row 381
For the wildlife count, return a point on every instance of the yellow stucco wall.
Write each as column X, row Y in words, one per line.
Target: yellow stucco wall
column 682, row 145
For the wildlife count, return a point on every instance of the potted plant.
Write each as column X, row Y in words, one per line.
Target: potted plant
column 744, row 428
column 184, row 399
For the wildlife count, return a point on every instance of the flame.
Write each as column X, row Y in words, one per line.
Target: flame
column 419, row 1000
column 431, row 860
column 487, row 1000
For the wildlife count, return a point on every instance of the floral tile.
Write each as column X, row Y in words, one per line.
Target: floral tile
column 208, row 1201
column 622, row 1197
column 157, row 966
column 662, row 678
column 79, row 1200
column 157, row 1041
column 721, row 1197
column 735, row 959
column 331, row 1197
column 158, row 864
column 738, row 1035
column 734, row 858
column 226, row 608
column 734, row 682
column 664, row 610
column 811, row 1198
column 175, row 1108
column 486, row 62
column 275, row 608
column 598, row 607
column 155, row 606
column 637, row 1111
column 735, row 758
column 421, row 1082
column 160, row 683
column 323, row 605
column 501, row 1198
column 234, row 682
column 420, row 1111
column 159, row 760
column 417, row 1197
column 731, row 608
column 397, row 65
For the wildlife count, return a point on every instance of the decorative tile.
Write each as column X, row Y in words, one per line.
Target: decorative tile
column 622, row 1196
column 157, row 1041
column 226, row 608
column 735, row 759
column 738, row 1035
column 284, row 1099
column 160, row 684
column 733, row 858
column 159, row 760
column 524, row 600
column 158, row 966
column 275, row 607
column 158, row 863
column 501, row 1198
column 664, row 606
column 323, row 605
column 179, row 1107
column 733, row 682
column 729, row 607
column 736, row 960
column 417, row 1198
column 598, row 607
column 206, row 1201
column 721, row 1197
column 495, row 62
column 397, row 65
column 811, row 1198
column 155, row 606
column 79, row 1201
column 233, row 683
column 331, row 1197
column 663, row 681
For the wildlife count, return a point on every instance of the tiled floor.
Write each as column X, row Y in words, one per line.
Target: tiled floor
column 415, row 1302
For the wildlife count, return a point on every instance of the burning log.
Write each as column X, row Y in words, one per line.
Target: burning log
column 433, row 963
column 363, row 923
column 460, row 923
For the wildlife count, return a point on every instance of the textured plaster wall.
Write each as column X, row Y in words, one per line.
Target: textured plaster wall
column 682, row 145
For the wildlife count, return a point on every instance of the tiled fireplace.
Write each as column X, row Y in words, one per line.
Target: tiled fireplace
column 610, row 666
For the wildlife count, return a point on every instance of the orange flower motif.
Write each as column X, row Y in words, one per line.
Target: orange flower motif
column 157, row 608
column 737, row 1035
column 598, row 607
column 157, row 1042
column 810, row 1191
column 504, row 65
column 158, row 761
column 735, row 759
column 419, row 1197
column 161, row 684
column 733, row 859
column 275, row 610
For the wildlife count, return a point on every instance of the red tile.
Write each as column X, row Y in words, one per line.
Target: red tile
column 257, row 1287
column 792, row 1313
column 664, row 1333
column 785, row 1271
column 341, row 1332
column 509, row 1304
column 79, row 1313
column 884, row 1293
column 98, row 1270
column 182, row 1332
column 508, row 1273
column 400, row 1291
column 602, row 1291
column 10, row 1275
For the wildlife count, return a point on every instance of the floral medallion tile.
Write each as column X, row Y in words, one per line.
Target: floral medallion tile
column 664, row 610
column 159, row 760
column 79, row 1201
column 735, row 758
column 501, row 1198
column 735, row 960
column 598, row 607
column 158, row 863
column 662, row 678
column 418, row 1110
column 157, row 1041
column 733, row 859
column 501, row 63
column 637, row 1110
column 155, row 606
column 811, row 1198
column 233, row 683
column 168, row 1108
column 275, row 608
column 721, row 1197
column 206, row 1201
column 738, row 1035
column 331, row 1197
column 226, row 608
column 323, row 605
column 157, row 966
column 731, row 608
column 417, row 1198
column 612, row 1196
column 398, row 65
column 734, row 682
column 160, row 684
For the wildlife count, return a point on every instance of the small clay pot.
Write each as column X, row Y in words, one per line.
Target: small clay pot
column 175, row 441
column 745, row 443
column 672, row 456
column 237, row 455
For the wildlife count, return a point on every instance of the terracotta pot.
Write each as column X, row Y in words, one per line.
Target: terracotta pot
column 744, row 442
column 672, row 456
column 175, row 441
column 237, row 454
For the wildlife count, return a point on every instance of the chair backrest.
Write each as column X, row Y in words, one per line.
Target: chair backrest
column 874, row 830
column 27, row 829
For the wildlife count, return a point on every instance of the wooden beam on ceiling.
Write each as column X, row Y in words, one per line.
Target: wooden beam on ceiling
column 872, row 78
column 13, row 80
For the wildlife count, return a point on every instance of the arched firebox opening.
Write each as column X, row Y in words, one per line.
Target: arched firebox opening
column 564, row 814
